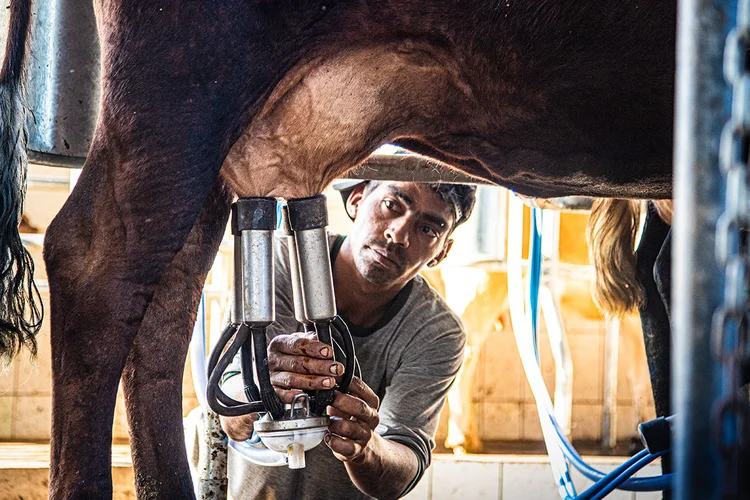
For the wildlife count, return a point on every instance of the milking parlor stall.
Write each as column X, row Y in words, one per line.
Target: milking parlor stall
column 554, row 397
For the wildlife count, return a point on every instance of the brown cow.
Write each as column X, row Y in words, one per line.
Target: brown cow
column 202, row 101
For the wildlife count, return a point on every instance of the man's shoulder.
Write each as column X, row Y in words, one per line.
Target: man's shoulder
column 424, row 293
column 427, row 303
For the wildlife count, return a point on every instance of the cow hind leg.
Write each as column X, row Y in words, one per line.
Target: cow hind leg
column 154, row 369
column 653, row 248
column 106, row 252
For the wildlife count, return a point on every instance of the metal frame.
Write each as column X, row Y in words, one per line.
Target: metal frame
column 63, row 82
column 703, row 105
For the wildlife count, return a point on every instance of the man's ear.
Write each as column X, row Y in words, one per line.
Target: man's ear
column 442, row 255
column 355, row 198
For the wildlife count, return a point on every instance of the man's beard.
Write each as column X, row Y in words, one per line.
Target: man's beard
column 373, row 271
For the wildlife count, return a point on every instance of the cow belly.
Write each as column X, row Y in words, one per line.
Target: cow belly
column 329, row 114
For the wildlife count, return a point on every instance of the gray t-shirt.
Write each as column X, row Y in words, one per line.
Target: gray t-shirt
column 409, row 358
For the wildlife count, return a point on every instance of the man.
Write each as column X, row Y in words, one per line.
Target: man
column 408, row 343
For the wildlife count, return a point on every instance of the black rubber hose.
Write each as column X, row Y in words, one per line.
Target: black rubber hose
column 217, row 400
column 246, row 367
column 271, row 401
column 225, row 357
column 320, row 400
column 229, row 331
column 346, row 336
column 323, row 329
column 215, row 396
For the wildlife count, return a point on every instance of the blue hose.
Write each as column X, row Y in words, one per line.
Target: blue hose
column 606, row 489
column 535, row 274
column 621, row 476
column 654, row 483
column 617, row 472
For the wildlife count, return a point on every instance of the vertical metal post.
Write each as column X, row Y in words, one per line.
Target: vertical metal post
column 213, row 460
column 609, row 396
column 63, row 81
column 702, row 109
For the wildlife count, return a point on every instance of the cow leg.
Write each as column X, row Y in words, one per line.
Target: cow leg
column 154, row 369
column 653, row 248
column 106, row 252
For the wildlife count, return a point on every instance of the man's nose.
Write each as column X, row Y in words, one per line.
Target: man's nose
column 398, row 232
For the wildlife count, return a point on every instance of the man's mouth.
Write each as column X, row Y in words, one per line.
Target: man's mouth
column 383, row 257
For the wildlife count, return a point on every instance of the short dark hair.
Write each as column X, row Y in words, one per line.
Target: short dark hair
column 460, row 197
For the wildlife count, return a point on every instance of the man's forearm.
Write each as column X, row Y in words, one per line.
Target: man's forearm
column 384, row 469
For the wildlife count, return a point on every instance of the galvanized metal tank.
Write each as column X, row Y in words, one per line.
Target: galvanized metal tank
column 62, row 83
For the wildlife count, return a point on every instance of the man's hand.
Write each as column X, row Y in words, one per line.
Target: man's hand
column 300, row 361
column 354, row 419
column 241, row 427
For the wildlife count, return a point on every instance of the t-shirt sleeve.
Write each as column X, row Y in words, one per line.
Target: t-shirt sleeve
column 416, row 392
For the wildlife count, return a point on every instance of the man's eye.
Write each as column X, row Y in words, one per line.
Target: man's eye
column 429, row 231
column 389, row 204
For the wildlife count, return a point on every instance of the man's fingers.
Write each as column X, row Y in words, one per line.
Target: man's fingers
column 349, row 429
column 344, row 449
column 333, row 412
column 361, row 390
column 300, row 344
column 349, row 405
column 287, row 395
column 303, row 364
column 290, row 380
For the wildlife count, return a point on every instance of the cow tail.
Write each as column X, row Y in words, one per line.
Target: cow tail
column 611, row 234
column 20, row 302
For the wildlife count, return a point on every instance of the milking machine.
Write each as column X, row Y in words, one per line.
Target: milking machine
column 524, row 317
column 294, row 428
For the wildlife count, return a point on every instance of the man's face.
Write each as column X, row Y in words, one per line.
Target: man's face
column 399, row 228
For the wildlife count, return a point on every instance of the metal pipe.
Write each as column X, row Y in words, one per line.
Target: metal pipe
column 63, row 82
column 254, row 219
column 237, row 309
column 212, row 464
column 294, row 271
column 702, row 109
column 316, row 274
column 308, row 218
column 259, row 306
column 558, row 342
column 611, row 350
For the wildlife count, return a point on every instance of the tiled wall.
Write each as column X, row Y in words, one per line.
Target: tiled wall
column 508, row 478
column 503, row 400
column 25, row 396
column 25, row 388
